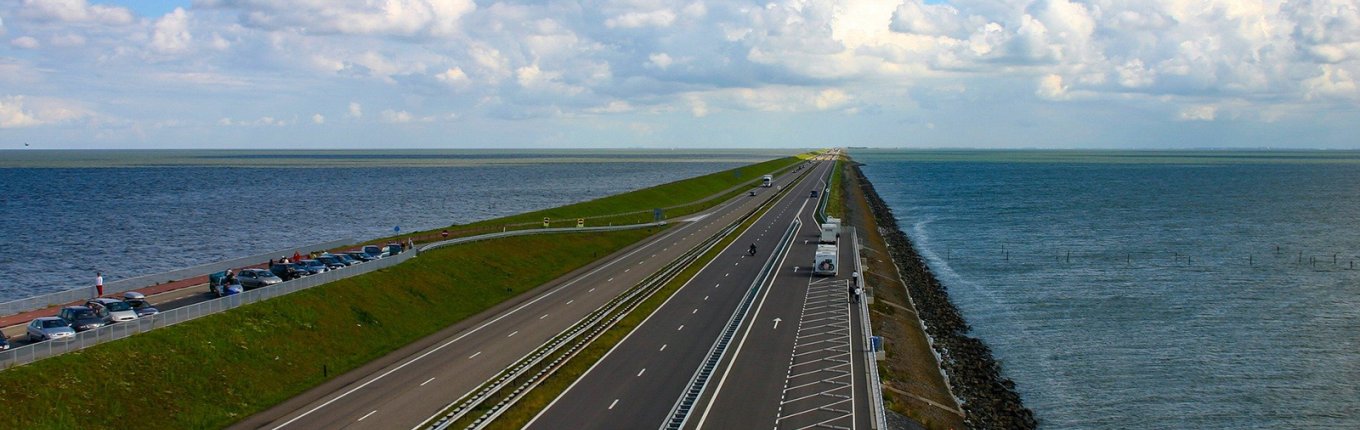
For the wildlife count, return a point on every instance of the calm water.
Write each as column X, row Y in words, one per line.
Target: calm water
column 67, row 214
column 1202, row 290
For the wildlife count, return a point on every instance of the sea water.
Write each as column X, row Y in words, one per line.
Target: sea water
column 67, row 214
column 1206, row 290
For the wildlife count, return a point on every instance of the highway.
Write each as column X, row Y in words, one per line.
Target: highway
column 637, row 384
column 416, row 383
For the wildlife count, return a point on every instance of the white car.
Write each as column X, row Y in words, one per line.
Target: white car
column 114, row 310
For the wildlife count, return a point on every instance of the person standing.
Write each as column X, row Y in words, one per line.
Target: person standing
column 98, row 285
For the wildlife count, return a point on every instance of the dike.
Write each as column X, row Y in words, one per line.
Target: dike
column 989, row 399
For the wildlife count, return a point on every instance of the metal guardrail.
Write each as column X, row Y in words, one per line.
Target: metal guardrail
column 38, row 351
column 875, row 385
column 129, row 284
column 685, row 404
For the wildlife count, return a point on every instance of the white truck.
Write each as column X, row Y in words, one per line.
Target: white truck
column 826, row 262
column 766, row 181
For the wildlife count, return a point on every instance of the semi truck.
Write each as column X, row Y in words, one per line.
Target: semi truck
column 766, row 181
column 826, row 262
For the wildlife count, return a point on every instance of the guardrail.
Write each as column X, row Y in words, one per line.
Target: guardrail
column 875, row 385
column 129, row 284
column 685, row 404
column 38, row 351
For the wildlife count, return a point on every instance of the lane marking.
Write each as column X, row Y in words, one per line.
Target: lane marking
column 610, row 280
column 474, row 355
column 569, row 301
column 611, row 405
column 663, row 348
column 544, row 316
column 426, row 381
column 513, row 333
column 682, row 327
column 705, row 298
column 696, row 310
column 591, row 290
column 640, row 371
column 366, row 415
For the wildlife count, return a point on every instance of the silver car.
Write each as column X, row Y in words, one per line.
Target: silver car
column 49, row 328
column 114, row 310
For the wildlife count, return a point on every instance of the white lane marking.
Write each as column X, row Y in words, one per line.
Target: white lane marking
column 726, row 275
column 544, row 316
column 611, row 405
column 626, row 270
column 474, row 355
column 663, row 348
column 569, row 301
column 426, row 382
column 717, row 285
column 610, row 280
column 705, row 298
column 367, row 414
column 640, row 371
column 591, row 290
column 682, row 327
column 513, row 333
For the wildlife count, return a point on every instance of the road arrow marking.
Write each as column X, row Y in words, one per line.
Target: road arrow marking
column 776, row 323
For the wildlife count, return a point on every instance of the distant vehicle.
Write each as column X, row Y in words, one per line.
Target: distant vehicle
column 287, row 271
column 4, row 341
column 331, row 262
column 361, row 256
column 766, row 181
column 218, row 285
column 312, row 266
column 830, row 233
column 814, row 194
column 825, row 262
column 345, row 258
column 374, row 251
column 113, row 310
column 392, row 249
column 256, row 278
column 82, row 318
column 138, row 302
column 752, row 193
column 49, row 328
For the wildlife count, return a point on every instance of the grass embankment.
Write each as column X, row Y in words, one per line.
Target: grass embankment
column 677, row 199
column 221, row 368
column 835, row 207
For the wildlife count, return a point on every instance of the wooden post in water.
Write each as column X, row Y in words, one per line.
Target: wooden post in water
column 1249, row 262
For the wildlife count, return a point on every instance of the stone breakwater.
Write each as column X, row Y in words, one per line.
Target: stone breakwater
column 989, row 399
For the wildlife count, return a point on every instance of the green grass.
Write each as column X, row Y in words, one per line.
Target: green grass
column 221, row 368
column 834, row 206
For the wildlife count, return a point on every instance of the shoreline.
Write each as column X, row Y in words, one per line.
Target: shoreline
column 989, row 398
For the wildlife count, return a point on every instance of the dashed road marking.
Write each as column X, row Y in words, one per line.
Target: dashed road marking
column 611, row 405
column 663, row 348
column 640, row 371
column 426, row 382
column 544, row 316
column 367, row 414
column 682, row 327
column 474, row 355
column 512, row 333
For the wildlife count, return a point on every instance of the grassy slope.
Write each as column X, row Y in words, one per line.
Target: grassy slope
column 835, row 207
column 221, row 368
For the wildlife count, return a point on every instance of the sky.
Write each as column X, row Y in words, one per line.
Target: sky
column 337, row 74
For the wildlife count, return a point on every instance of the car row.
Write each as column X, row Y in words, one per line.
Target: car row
column 95, row 313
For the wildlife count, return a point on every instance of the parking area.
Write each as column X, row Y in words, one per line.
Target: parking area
column 819, row 386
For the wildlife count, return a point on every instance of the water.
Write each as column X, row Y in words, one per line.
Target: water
column 1175, row 308
column 67, row 214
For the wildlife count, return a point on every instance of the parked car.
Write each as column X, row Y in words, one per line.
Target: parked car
column 345, row 258
column 330, row 261
column 82, row 318
column 374, row 251
column 220, row 285
column 4, row 341
column 392, row 249
column 113, row 310
column 49, row 328
column 256, row 278
column 138, row 302
column 360, row 256
column 288, row 271
column 312, row 266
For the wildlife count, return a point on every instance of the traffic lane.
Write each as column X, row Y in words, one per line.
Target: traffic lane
column 661, row 341
column 732, row 210
column 747, row 394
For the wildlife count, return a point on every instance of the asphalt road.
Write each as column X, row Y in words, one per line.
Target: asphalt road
column 414, row 384
column 638, row 382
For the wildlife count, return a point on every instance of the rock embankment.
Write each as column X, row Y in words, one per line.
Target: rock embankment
column 989, row 399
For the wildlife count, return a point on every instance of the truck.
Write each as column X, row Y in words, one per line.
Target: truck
column 825, row 262
column 830, row 233
column 766, row 181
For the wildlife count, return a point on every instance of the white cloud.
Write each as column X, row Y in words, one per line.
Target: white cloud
column 355, row 111
column 1051, row 87
column 74, row 11
column 655, row 18
column 660, row 60
column 25, row 42
column 318, row 119
column 358, row 17
column 1198, row 113
column 170, row 34
column 21, row 111
column 68, row 40
column 403, row 117
column 454, row 77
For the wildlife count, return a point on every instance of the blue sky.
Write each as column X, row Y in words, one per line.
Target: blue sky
column 679, row 73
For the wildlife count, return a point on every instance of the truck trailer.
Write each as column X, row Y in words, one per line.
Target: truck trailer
column 826, row 262
column 766, row 181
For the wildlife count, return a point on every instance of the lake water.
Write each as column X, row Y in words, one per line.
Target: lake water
column 1200, row 290
column 68, row 214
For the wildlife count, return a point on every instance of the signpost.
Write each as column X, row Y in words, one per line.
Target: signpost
column 580, row 222
column 657, row 214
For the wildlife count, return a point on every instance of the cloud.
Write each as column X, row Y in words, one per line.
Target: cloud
column 402, row 117
column 655, row 18
column 318, row 119
column 20, row 111
column 1198, row 113
column 1051, row 88
column 74, row 11
column 25, row 42
column 357, row 17
column 355, row 111
column 170, row 34
column 660, row 60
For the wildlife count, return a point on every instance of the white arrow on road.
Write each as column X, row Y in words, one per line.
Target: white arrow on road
column 776, row 323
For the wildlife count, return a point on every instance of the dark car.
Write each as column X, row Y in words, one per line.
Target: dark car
column 345, row 258
column 312, row 266
column 256, row 278
column 360, row 256
column 82, row 318
column 374, row 251
column 288, row 271
column 138, row 302
column 4, row 341
column 392, row 249
column 331, row 262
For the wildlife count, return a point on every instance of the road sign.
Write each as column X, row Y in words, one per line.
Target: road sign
column 657, row 214
column 396, row 229
column 580, row 222
column 545, row 222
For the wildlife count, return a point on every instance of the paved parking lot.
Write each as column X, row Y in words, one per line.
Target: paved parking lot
column 819, row 385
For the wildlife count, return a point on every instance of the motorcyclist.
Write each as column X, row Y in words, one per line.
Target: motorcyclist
column 753, row 249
